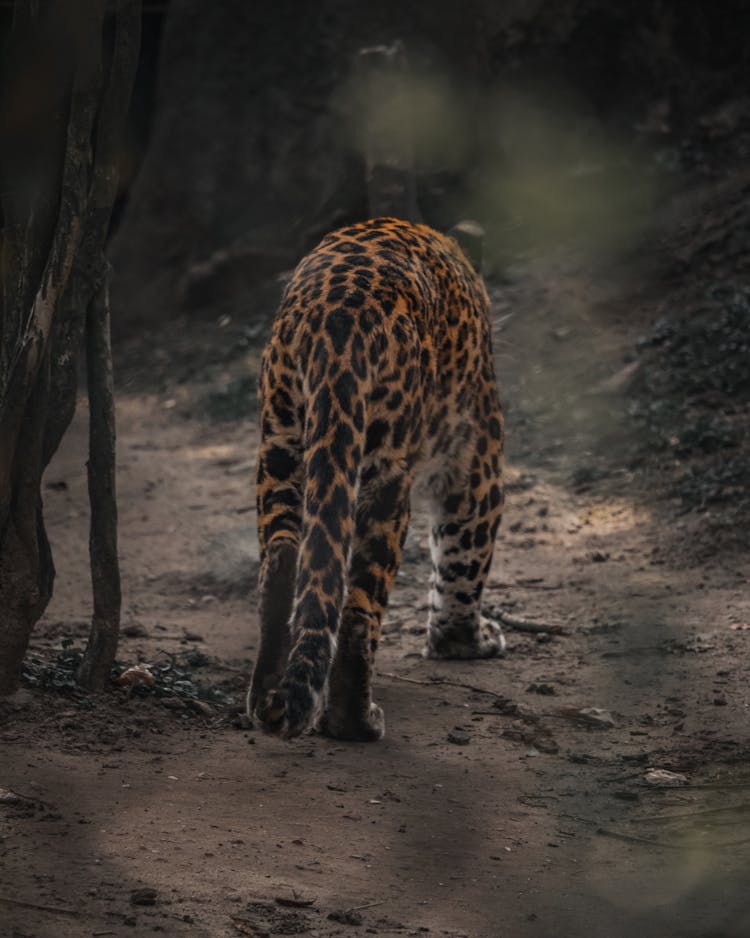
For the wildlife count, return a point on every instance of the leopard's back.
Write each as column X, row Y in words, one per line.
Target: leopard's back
column 379, row 367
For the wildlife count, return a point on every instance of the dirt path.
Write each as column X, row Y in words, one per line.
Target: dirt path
column 494, row 806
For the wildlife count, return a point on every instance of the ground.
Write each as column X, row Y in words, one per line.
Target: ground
column 510, row 797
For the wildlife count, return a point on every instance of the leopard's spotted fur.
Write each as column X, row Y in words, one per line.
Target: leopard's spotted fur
column 378, row 371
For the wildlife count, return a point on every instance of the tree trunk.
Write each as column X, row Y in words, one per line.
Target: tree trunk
column 105, row 571
column 26, row 569
column 60, row 180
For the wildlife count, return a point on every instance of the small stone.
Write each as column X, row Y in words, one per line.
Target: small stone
column 663, row 778
column 459, row 738
column 596, row 716
column 546, row 690
column 345, row 917
column 241, row 721
column 505, row 705
column 134, row 630
column 545, row 743
column 9, row 797
column 144, row 896
column 200, row 706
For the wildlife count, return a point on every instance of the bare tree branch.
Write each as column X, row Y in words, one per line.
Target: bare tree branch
column 105, row 571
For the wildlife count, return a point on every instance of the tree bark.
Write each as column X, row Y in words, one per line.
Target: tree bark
column 26, row 569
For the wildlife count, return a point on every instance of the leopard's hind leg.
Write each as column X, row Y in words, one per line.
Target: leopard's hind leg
column 468, row 508
column 279, row 500
column 276, row 591
column 381, row 522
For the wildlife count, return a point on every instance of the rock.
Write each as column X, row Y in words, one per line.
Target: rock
column 544, row 742
column 294, row 901
column 663, row 778
column 459, row 738
column 241, row 721
column 595, row 716
column 544, row 689
column 505, row 706
column 10, row 797
column 134, row 630
column 345, row 917
column 144, row 896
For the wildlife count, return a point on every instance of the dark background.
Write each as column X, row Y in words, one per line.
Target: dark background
column 244, row 138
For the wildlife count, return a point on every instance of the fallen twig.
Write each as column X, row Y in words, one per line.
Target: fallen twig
column 367, row 905
column 525, row 585
column 439, row 681
column 493, row 713
column 524, row 625
column 538, row 586
column 644, row 841
column 40, row 908
column 691, row 815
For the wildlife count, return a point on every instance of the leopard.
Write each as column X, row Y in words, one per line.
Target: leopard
column 378, row 375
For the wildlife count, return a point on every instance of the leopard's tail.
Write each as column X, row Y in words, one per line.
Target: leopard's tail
column 334, row 438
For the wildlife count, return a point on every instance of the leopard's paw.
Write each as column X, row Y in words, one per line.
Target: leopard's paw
column 487, row 641
column 288, row 711
column 491, row 639
column 340, row 724
column 262, row 686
